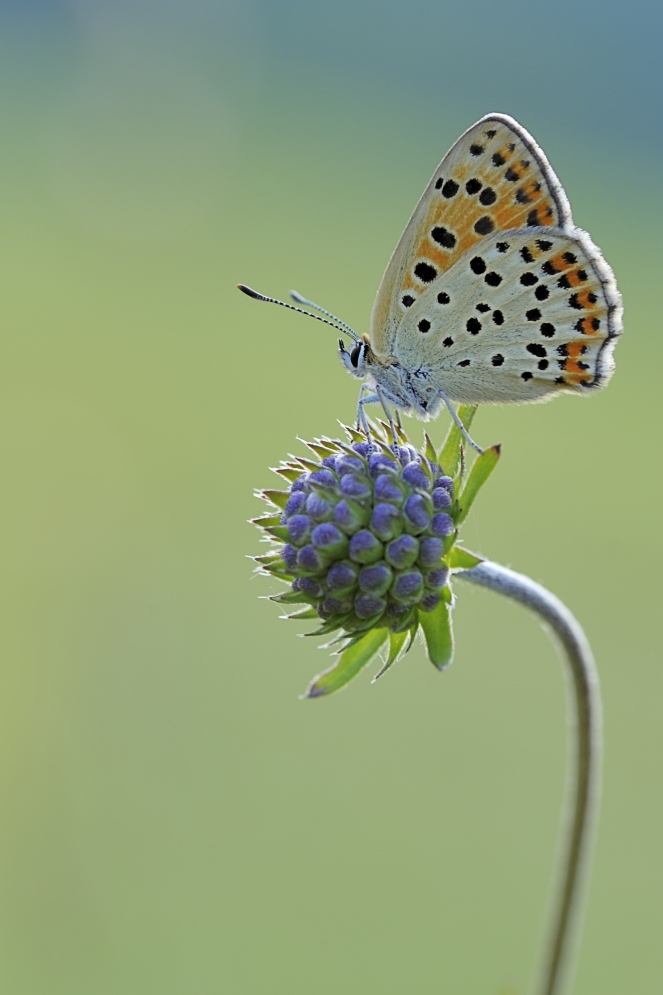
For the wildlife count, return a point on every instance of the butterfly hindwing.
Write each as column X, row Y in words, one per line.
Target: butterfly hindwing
column 520, row 317
column 494, row 178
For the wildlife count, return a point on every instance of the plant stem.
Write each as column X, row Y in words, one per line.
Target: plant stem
column 584, row 768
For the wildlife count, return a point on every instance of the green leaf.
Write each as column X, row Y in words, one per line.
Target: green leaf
column 348, row 665
column 278, row 531
column 354, row 434
column 429, row 450
column 449, row 458
column 479, row 474
column 290, row 473
column 304, row 613
column 266, row 520
column 291, row 598
column 308, row 464
column 438, row 635
column 331, row 625
column 462, row 559
column 397, row 641
column 279, row 498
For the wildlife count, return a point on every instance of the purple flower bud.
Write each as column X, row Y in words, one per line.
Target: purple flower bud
column 441, row 499
column 348, row 518
column 430, row 602
column 441, row 525
column 378, row 463
column 310, row 560
column 408, row 587
column 366, row 606
column 300, row 484
column 312, row 587
column 299, row 529
column 335, row 606
column 386, row 522
column 446, row 482
column 329, row 461
column 415, row 477
column 324, row 478
column 376, row 580
column 318, row 509
column 289, row 554
column 430, row 551
column 363, row 448
column 348, row 464
column 342, row 577
column 437, row 579
column 416, row 514
column 295, row 503
column 402, row 552
column 406, row 454
column 365, row 548
column 394, row 609
column 352, row 486
column 329, row 540
column 386, row 489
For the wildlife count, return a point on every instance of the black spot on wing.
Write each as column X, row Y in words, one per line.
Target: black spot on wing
column 425, row 272
column 443, row 237
column 450, row 189
column 473, row 186
column 477, row 265
column 443, row 298
column 484, row 225
column 473, row 326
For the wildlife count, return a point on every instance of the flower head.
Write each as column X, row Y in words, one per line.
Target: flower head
column 365, row 536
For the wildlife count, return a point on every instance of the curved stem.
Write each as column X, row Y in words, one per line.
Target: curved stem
column 584, row 770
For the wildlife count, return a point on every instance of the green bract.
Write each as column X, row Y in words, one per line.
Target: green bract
column 365, row 536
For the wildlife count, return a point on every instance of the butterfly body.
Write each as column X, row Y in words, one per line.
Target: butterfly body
column 492, row 294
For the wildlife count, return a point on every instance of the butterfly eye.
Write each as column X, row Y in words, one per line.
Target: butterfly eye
column 354, row 355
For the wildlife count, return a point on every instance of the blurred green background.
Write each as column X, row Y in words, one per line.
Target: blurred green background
column 174, row 819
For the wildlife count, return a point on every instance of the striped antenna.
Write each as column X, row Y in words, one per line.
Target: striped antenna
column 336, row 323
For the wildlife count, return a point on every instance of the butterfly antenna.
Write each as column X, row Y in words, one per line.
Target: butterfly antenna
column 338, row 325
column 303, row 300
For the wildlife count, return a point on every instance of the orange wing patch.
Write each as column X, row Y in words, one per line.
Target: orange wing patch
column 490, row 182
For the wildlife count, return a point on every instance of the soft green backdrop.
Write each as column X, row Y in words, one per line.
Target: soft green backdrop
column 173, row 819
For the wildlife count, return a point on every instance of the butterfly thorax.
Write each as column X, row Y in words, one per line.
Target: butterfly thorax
column 412, row 391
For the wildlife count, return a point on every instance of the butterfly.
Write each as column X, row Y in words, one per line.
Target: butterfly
column 492, row 294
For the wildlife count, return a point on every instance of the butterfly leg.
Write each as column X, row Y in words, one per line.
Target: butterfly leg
column 389, row 415
column 362, row 421
column 454, row 414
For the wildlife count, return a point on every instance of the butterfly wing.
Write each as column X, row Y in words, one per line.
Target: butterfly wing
column 519, row 317
column 493, row 179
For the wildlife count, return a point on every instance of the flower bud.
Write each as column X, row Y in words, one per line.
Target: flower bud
column 365, row 547
column 441, row 499
column 387, row 489
column 408, row 587
column 386, row 522
column 430, row 551
column 366, row 606
column 318, row 508
column 376, row 580
column 299, row 529
column 354, row 487
column 342, row 578
column 310, row 560
column 328, row 539
column 416, row 477
column 416, row 514
column 402, row 552
column 442, row 525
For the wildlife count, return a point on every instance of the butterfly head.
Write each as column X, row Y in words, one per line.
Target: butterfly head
column 358, row 359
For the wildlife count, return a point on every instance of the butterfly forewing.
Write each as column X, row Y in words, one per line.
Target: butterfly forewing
column 495, row 178
column 521, row 316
